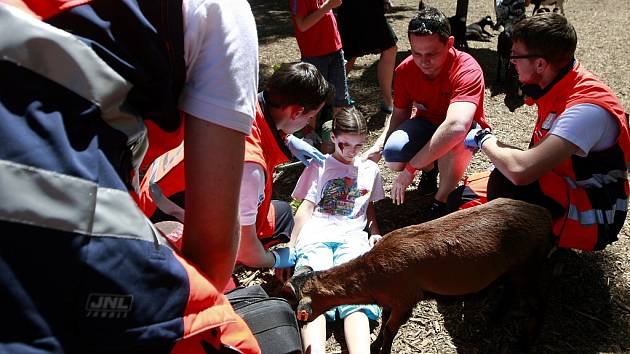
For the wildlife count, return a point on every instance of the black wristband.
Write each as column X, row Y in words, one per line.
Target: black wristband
column 481, row 134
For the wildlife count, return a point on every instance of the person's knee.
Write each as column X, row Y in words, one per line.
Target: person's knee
column 394, row 149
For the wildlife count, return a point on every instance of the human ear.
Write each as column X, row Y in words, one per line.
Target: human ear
column 296, row 110
column 450, row 42
column 541, row 65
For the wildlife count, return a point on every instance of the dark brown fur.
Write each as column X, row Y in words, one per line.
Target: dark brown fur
column 458, row 254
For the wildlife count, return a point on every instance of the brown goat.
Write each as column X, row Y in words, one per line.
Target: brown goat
column 460, row 253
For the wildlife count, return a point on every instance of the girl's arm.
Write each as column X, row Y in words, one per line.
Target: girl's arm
column 375, row 232
column 306, row 22
column 371, row 220
column 302, row 215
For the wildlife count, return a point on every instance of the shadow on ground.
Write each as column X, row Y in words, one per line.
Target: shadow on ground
column 273, row 20
column 579, row 312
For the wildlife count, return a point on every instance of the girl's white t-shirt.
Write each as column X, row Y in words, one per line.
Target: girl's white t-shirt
column 341, row 193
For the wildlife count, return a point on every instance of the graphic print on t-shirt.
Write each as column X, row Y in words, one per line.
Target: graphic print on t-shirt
column 339, row 195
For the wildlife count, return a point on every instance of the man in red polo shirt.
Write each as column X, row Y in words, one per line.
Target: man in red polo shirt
column 438, row 96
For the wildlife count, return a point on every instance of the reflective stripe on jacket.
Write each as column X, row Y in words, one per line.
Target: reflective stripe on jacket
column 81, row 269
column 163, row 188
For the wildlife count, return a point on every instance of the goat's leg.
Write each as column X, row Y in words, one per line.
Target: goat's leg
column 378, row 342
column 527, row 281
column 397, row 317
column 506, row 300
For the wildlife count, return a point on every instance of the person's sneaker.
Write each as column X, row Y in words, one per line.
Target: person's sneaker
column 436, row 210
column 428, row 182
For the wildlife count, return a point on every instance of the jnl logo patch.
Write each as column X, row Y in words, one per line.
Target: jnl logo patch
column 108, row 305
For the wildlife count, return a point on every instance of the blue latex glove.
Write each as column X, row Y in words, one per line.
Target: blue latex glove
column 304, row 151
column 476, row 137
column 285, row 257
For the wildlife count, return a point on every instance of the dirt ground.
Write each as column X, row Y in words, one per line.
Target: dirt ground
column 589, row 301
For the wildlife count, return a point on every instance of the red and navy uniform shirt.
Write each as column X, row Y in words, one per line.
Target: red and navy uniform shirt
column 87, row 272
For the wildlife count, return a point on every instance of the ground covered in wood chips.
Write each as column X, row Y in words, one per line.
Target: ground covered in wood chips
column 589, row 300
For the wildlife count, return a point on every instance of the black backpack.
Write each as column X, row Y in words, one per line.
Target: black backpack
column 271, row 319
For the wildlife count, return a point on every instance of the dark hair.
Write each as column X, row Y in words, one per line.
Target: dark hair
column 549, row 35
column 349, row 120
column 428, row 21
column 298, row 83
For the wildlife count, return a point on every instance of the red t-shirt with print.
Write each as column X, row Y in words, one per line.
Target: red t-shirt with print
column 323, row 37
column 461, row 80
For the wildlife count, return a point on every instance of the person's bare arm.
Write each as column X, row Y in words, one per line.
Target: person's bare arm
column 375, row 232
column 214, row 166
column 451, row 132
column 251, row 252
column 305, row 23
column 302, row 215
column 371, row 220
column 524, row 167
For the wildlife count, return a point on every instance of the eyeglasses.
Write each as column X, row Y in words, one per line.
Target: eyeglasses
column 525, row 56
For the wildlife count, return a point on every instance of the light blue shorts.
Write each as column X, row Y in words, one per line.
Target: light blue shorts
column 325, row 255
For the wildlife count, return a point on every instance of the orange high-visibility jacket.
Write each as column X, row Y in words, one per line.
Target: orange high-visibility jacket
column 593, row 189
column 162, row 189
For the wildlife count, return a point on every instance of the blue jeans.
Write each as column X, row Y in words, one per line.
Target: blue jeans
column 332, row 67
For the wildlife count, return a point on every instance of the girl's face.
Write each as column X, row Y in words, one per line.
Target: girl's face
column 347, row 146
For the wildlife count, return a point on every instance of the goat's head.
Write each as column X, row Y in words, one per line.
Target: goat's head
column 292, row 292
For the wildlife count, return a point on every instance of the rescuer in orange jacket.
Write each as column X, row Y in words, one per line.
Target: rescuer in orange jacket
column 577, row 161
column 79, row 81
column 294, row 94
